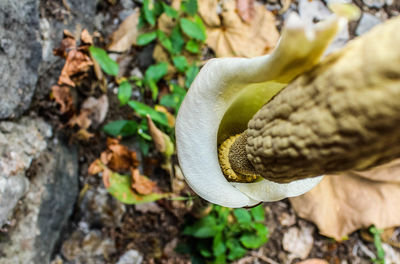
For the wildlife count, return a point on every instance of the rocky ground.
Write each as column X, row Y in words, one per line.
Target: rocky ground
column 51, row 210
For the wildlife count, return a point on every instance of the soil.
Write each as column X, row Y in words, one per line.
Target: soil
column 153, row 233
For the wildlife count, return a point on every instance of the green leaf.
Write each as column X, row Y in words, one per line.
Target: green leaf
column 190, row 74
column 177, row 40
column 190, row 7
column 122, row 128
column 144, row 110
column 154, row 89
column 156, row 72
column 171, row 12
column 199, row 22
column 192, row 29
column 144, row 146
column 180, row 63
column 220, row 259
column 236, row 251
column 146, row 38
column 149, row 13
column 258, row 213
column 203, row 246
column 242, row 216
column 261, row 230
column 251, row 241
column 218, row 244
column 192, row 46
column 124, row 92
column 108, row 65
column 174, row 100
column 120, row 188
column 165, row 41
column 203, row 228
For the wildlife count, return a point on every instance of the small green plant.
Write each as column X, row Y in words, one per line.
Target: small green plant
column 378, row 245
column 225, row 234
column 185, row 39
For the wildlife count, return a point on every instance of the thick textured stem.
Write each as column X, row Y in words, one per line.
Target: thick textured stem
column 343, row 114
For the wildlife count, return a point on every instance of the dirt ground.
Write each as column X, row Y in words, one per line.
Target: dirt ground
column 154, row 232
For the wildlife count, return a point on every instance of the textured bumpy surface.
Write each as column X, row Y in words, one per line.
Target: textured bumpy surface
column 344, row 114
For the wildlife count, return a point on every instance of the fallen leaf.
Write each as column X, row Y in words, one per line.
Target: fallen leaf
column 209, row 12
column 314, row 261
column 245, row 9
column 95, row 167
column 82, row 120
column 106, row 177
column 142, row 184
column 235, row 38
column 76, row 62
column 126, row 34
column 120, row 188
column 67, row 43
column 343, row 203
column 83, row 134
column 62, row 95
column 86, row 38
column 118, row 157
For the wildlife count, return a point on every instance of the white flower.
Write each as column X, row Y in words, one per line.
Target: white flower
column 223, row 98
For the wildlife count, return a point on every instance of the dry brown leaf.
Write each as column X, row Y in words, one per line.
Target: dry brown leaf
column 76, row 62
column 86, row 38
column 62, row 95
column 95, row 167
column 235, row 38
column 118, row 157
column 142, row 184
column 68, row 42
column 314, row 261
column 126, row 34
column 341, row 204
column 82, row 120
column 83, row 134
column 245, row 9
column 208, row 12
column 106, row 177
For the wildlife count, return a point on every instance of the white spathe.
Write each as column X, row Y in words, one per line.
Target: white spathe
column 215, row 89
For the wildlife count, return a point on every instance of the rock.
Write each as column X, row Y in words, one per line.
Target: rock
column 367, row 22
column 374, row 3
column 91, row 248
column 131, row 257
column 20, row 55
column 392, row 256
column 20, row 143
column 45, row 209
column 298, row 241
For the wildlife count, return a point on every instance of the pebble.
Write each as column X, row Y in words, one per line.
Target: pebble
column 298, row 241
column 367, row 22
column 131, row 257
column 374, row 3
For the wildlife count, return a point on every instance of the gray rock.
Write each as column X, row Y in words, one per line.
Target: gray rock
column 367, row 22
column 374, row 3
column 20, row 55
column 45, row 209
column 131, row 257
column 91, row 248
column 20, row 143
